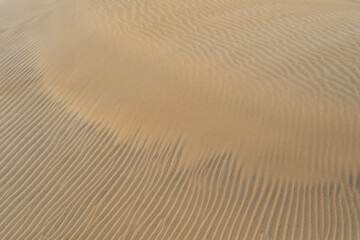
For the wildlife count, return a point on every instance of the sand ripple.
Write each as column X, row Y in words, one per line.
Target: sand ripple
column 179, row 119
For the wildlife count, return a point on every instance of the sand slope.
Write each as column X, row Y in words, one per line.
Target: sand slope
column 179, row 119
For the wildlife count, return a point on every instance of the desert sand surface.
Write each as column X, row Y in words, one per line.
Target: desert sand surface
column 179, row 119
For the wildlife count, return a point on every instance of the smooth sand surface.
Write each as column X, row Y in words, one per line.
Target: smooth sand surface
column 178, row 119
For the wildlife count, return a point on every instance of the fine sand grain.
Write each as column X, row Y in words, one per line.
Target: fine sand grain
column 178, row 119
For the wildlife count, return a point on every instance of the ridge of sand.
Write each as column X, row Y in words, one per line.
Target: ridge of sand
column 179, row 119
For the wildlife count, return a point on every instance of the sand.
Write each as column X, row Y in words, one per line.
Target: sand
column 180, row 120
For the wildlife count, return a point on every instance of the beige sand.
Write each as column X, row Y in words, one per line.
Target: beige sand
column 178, row 119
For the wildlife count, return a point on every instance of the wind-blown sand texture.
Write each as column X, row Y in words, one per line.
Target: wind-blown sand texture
column 178, row 119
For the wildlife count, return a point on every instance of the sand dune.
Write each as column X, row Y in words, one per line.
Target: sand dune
column 179, row 119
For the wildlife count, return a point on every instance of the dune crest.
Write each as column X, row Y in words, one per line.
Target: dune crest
column 146, row 74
